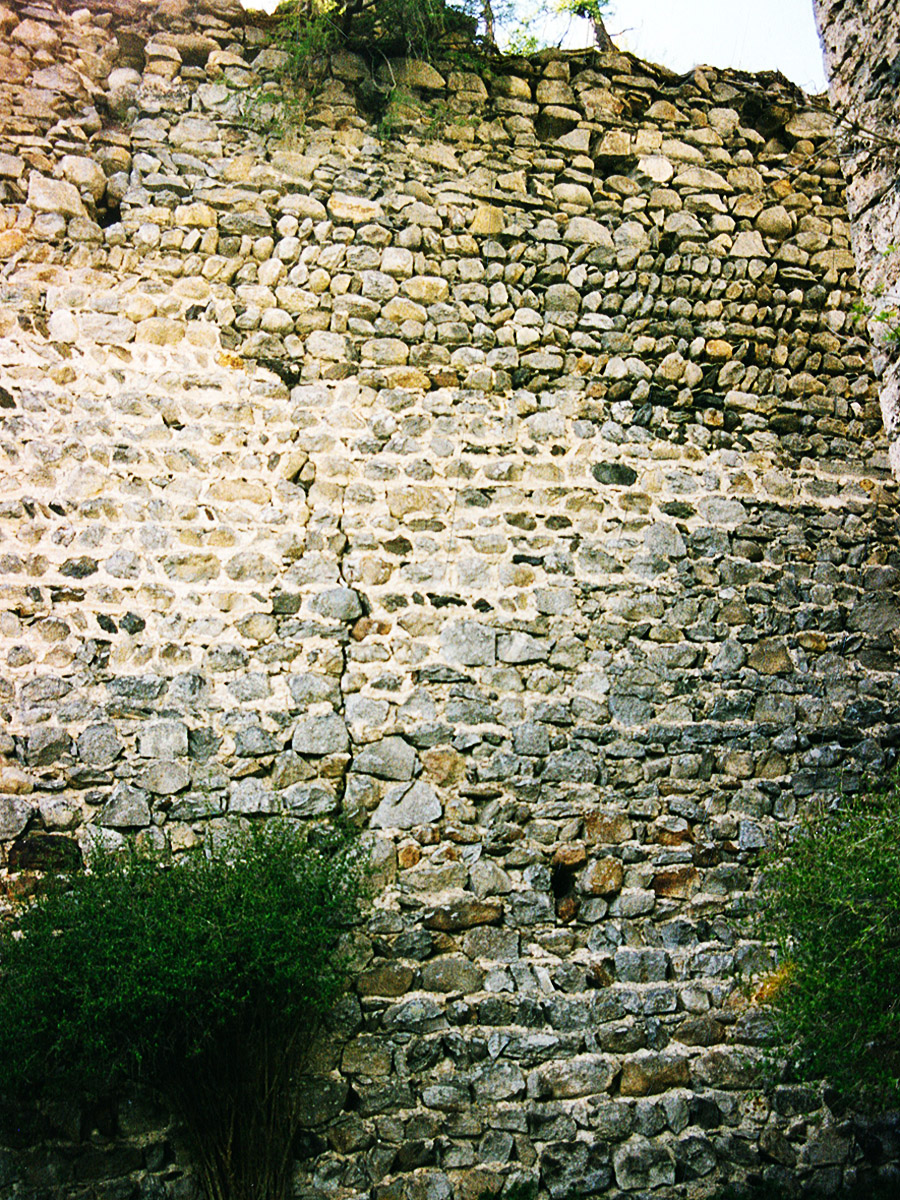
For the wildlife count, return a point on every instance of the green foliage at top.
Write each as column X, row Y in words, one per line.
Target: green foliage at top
column 307, row 31
column 205, row 980
column 832, row 904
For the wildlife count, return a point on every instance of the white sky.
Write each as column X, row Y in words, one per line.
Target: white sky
column 753, row 35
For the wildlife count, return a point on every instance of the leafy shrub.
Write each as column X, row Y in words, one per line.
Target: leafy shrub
column 832, row 904
column 205, row 980
column 308, row 31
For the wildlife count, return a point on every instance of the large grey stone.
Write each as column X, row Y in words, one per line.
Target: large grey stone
column 391, row 758
column 309, row 688
column 575, row 1168
column 341, row 604
column 498, row 1082
column 648, row 1072
column 163, row 739
column 406, row 806
column 469, row 643
column 127, row 808
column 452, row 973
column 531, row 738
column 99, row 745
column 639, row 965
column 578, row 766
column 15, row 813
column 309, row 800
column 641, row 1163
column 46, row 744
column 487, row 879
column 586, row 231
column 252, row 741
column 251, row 795
column 365, row 716
column 489, row 942
column 164, row 777
column 521, row 648
column 325, row 733
column 583, row 1075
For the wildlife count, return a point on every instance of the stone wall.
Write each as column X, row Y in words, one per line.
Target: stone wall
column 862, row 54
column 512, row 481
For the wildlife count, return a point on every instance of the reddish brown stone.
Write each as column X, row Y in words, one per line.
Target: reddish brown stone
column 607, row 828
column 676, row 882
column 603, row 877
column 463, row 914
column 700, row 1031
column 408, row 856
column 571, row 855
column 648, row 1073
column 385, row 979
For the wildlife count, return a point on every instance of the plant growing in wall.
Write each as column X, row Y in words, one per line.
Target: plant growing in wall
column 832, row 904
column 205, row 980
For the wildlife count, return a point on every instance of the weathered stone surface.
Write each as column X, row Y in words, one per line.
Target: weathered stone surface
column 341, row 604
column 575, row 1167
column 770, row 657
column 641, row 1163
column 453, row 973
column 251, row 795
column 54, row 196
column 46, row 745
column 127, row 808
column 586, row 231
column 390, row 758
column 406, row 806
column 603, row 877
column 99, row 745
column 463, row 912
column 725, row 1068
column 163, row 739
column 318, row 735
column 308, row 800
column 15, row 813
column 164, row 777
column 520, row 648
column 487, row 220
column 584, row 1075
column 14, row 781
column 469, row 643
column 344, row 207
column 529, row 462
column 648, row 1072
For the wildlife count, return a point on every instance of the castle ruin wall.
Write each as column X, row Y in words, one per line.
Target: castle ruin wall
column 492, row 458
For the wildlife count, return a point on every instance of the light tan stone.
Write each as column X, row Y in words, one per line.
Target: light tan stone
column 426, row 288
column 197, row 215
column 487, row 221
column 159, row 331
column 54, row 196
column 586, row 231
column 84, row 173
column 11, row 242
column 15, row 782
column 748, row 244
column 356, row 209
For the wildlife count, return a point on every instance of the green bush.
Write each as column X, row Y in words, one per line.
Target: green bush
column 308, row 32
column 205, row 980
column 832, row 904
